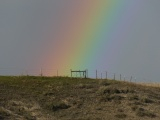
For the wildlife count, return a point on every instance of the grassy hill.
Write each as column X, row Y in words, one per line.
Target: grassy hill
column 62, row 98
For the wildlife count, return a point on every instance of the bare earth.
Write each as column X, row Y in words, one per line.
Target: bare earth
column 63, row 98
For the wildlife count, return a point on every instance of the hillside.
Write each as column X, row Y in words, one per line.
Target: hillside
column 62, row 98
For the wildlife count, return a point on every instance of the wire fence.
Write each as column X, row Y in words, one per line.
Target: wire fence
column 32, row 72
column 95, row 74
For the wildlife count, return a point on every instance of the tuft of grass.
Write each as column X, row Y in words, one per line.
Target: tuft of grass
column 56, row 105
column 133, row 97
column 104, row 83
column 134, row 107
column 116, row 97
column 84, row 86
column 3, row 113
column 141, row 112
column 121, row 115
column 114, row 90
column 108, row 98
column 146, row 100
column 111, row 90
column 21, row 109
column 60, row 106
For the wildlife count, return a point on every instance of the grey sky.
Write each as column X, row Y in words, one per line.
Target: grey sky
column 25, row 24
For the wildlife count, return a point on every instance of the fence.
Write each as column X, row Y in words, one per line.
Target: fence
column 96, row 74
column 33, row 72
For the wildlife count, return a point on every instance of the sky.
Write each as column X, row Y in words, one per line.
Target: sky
column 117, row 36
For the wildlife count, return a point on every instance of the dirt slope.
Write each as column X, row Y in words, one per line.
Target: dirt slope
column 44, row 98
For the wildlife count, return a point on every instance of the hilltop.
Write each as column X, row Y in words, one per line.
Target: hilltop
column 63, row 98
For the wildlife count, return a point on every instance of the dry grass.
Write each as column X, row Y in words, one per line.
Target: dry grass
column 150, row 84
column 62, row 98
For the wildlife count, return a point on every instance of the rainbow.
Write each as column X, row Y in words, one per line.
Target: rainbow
column 86, row 38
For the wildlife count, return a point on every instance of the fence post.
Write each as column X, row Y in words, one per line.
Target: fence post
column 57, row 73
column 135, row 79
column 101, row 75
column 96, row 74
column 114, row 76
column 106, row 74
column 41, row 73
column 71, row 73
column 80, row 74
column 131, row 79
column 87, row 73
column 27, row 73
column 120, row 76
